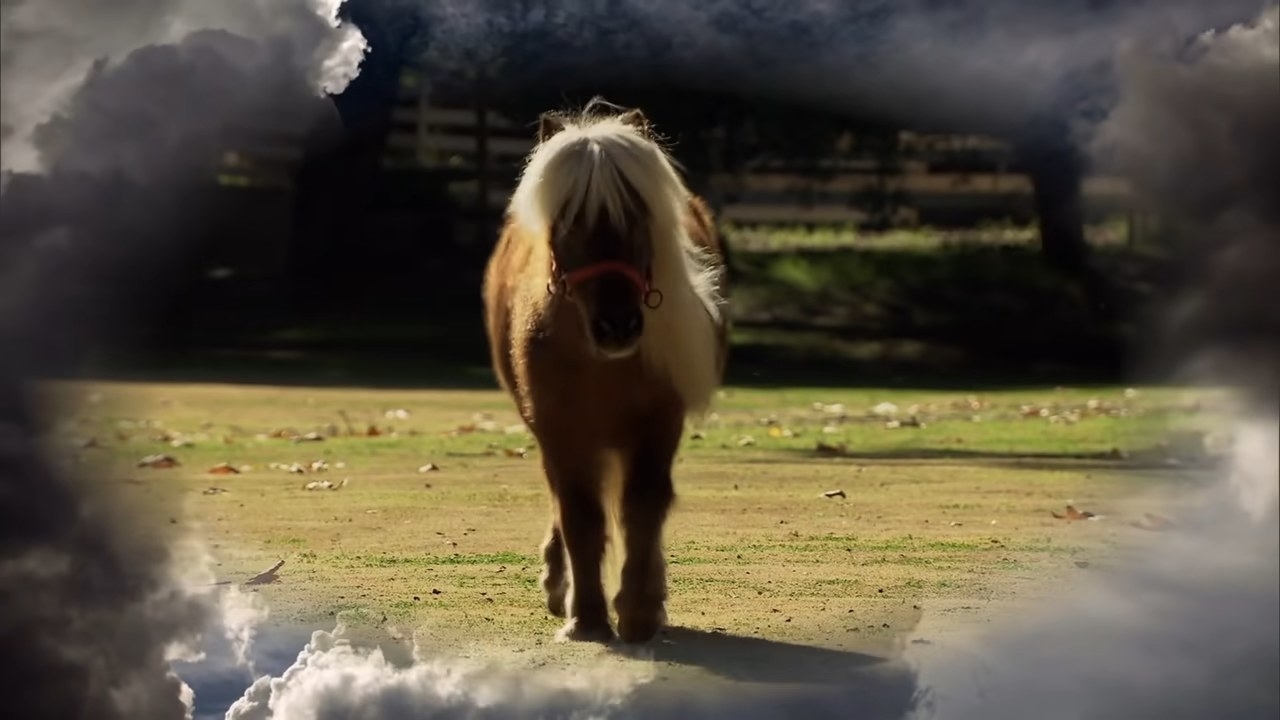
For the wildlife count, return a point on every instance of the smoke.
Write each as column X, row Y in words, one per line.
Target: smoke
column 111, row 119
column 332, row 678
column 236, row 615
column 97, row 605
column 1185, row 628
column 89, row 612
column 120, row 108
column 1189, row 627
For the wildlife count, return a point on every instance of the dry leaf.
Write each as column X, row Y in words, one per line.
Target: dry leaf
column 283, row 434
column 429, row 467
column 746, row 440
column 214, row 491
column 159, row 461
column 516, row 452
column 372, row 431
column 834, row 494
column 309, row 437
column 829, row 450
column 318, row 466
column 266, row 577
column 325, row 485
column 224, row 469
column 885, row 409
column 1071, row 513
column 397, row 414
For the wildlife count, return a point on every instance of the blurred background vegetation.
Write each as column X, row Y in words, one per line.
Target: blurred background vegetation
column 861, row 250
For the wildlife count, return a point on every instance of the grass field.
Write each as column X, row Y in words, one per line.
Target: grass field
column 946, row 507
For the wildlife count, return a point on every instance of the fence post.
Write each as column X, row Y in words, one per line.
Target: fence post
column 482, row 162
column 423, row 154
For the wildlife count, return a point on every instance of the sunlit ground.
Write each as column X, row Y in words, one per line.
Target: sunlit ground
column 816, row 517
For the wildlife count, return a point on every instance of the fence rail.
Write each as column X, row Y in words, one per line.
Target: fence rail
column 924, row 184
column 935, row 179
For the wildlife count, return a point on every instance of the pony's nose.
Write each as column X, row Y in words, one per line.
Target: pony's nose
column 632, row 324
column 617, row 328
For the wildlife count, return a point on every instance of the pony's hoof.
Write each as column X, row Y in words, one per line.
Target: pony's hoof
column 579, row 631
column 641, row 628
column 555, row 605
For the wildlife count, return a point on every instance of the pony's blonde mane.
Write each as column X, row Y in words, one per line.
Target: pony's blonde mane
column 600, row 163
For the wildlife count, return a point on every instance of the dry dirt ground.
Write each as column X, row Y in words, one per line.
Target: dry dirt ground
column 940, row 509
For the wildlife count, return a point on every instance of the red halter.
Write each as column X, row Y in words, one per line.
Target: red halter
column 649, row 295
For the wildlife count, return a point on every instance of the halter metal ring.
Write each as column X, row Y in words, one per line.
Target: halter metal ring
column 652, row 298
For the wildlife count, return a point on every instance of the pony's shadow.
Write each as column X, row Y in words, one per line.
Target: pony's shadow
column 755, row 660
column 770, row 679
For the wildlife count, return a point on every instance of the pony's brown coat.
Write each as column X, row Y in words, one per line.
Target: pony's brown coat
column 586, row 412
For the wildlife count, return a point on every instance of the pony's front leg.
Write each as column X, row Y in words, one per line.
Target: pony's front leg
column 555, row 583
column 576, row 484
column 646, row 498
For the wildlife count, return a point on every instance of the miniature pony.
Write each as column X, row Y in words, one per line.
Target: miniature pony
column 605, row 306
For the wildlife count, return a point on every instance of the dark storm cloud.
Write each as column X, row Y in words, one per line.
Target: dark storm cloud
column 119, row 107
column 1196, row 134
column 945, row 64
column 1189, row 626
column 50, row 46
